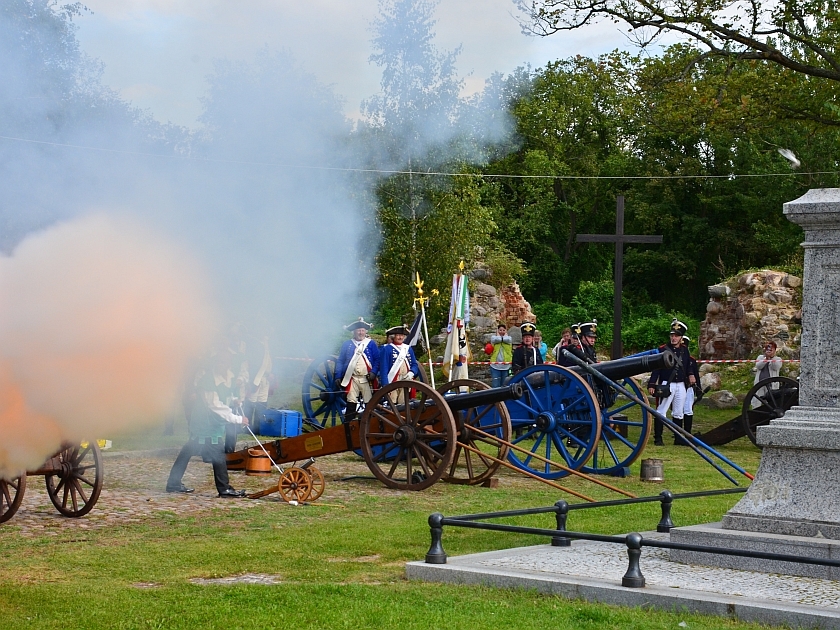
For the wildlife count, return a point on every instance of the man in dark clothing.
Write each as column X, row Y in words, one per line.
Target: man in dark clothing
column 582, row 344
column 527, row 354
column 210, row 415
column 676, row 379
column 688, row 409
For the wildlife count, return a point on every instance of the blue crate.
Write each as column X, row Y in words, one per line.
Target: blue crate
column 281, row 423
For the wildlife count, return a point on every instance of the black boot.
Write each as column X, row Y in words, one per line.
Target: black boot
column 657, row 432
column 351, row 412
column 678, row 439
column 688, row 421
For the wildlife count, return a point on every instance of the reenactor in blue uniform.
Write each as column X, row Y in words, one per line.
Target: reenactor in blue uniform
column 675, row 381
column 397, row 361
column 357, row 367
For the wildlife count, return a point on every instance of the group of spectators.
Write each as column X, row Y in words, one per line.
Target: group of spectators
column 579, row 339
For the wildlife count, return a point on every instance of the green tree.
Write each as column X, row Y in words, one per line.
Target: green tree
column 799, row 35
column 570, row 123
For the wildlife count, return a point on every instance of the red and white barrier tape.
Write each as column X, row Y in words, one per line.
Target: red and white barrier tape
column 553, row 363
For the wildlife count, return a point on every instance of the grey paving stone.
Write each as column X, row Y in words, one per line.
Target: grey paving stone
column 592, row 571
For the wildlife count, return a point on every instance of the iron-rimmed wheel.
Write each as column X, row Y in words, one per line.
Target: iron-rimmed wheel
column 11, row 496
column 323, row 400
column 625, row 428
column 75, row 486
column 469, row 467
column 415, row 432
column 295, row 484
column 557, row 418
column 768, row 399
column 317, row 482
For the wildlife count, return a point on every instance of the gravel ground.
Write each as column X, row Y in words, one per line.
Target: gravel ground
column 134, row 490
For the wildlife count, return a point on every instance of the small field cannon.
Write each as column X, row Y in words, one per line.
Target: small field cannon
column 73, row 477
column 568, row 419
column 411, row 435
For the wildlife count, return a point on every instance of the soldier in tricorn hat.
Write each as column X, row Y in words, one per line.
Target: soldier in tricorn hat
column 357, row 366
column 396, row 360
column 527, row 354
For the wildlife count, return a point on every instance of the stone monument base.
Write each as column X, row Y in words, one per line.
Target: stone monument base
column 713, row 535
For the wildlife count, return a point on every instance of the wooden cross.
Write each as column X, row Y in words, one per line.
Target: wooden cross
column 619, row 238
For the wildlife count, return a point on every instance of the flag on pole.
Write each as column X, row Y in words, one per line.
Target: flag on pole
column 416, row 330
column 457, row 352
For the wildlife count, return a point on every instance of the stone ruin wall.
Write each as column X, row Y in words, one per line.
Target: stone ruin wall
column 745, row 312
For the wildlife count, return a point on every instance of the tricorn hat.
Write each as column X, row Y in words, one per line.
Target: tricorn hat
column 358, row 324
column 397, row 330
column 678, row 328
column 527, row 328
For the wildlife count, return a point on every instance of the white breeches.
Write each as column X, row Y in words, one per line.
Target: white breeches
column 675, row 402
column 688, row 408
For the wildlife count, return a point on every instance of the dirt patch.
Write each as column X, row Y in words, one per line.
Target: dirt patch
column 247, row 578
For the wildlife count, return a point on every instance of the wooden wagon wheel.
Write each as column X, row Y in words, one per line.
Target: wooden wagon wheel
column 468, row 467
column 767, row 400
column 76, row 483
column 11, row 496
column 317, row 483
column 295, row 484
column 416, row 436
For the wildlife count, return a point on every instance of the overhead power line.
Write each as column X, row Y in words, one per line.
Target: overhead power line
column 403, row 172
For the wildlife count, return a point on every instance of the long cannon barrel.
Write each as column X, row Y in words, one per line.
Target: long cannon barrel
column 459, row 402
column 631, row 366
column 644, row 353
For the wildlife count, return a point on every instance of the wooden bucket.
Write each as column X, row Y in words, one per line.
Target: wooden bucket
column 258, row 464
column 652, row 470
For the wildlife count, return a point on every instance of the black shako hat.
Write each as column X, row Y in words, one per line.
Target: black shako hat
column 527, row 328
column 359, row 324
column 677, row 328
column 588, row 329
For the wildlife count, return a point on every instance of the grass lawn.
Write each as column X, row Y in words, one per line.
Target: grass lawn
column 339, row 564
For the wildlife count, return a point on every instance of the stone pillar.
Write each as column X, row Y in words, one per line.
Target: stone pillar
column 793, row 505
column 796, row 490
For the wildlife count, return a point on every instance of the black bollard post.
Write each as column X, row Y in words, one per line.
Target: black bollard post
column 634, row 578
column 436, row 554
column 665, row 523
column 562, row 513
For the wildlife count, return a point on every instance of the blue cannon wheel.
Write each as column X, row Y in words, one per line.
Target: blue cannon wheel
column 468, row 466
column 625, row 428
column 323, row 402
column 557, row 418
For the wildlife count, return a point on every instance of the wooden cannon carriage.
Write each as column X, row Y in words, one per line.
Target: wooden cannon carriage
column 73, row 477
column 412, row 436
column 768, row 399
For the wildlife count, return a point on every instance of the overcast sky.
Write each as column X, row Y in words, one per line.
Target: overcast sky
column 157, row 53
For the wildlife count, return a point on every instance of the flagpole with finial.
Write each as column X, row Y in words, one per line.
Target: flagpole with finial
column 423, row 301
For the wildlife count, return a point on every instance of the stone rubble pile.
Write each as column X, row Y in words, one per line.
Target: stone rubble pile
column 749, row 310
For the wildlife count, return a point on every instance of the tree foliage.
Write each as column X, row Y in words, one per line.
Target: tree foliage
column 696, row 159
column 800, row 35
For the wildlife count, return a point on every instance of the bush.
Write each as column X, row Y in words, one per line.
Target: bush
column 644, row 326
